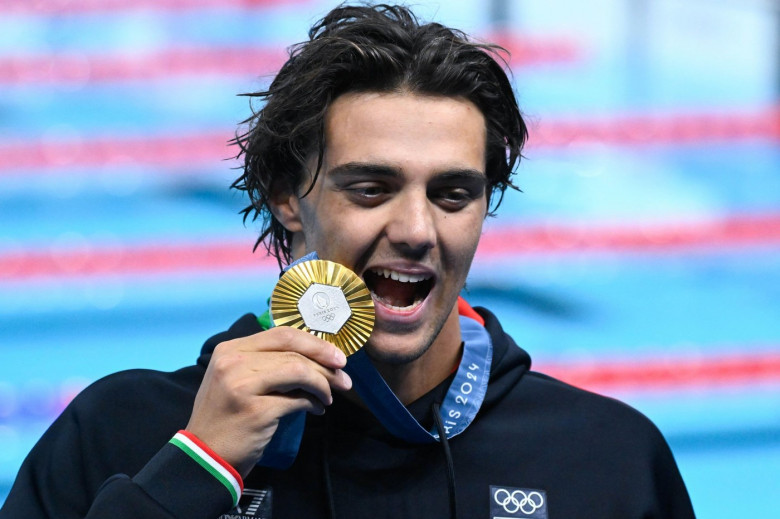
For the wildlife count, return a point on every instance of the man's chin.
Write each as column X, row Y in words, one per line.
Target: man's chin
column 390, row 353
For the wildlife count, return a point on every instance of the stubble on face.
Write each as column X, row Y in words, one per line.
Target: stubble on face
column 401, row 190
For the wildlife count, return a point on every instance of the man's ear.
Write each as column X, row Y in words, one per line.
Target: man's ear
column 286, row 207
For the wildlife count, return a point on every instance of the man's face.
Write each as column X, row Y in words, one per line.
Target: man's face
column 400, row 199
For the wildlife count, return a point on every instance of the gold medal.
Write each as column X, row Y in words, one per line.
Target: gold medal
column 325, row 299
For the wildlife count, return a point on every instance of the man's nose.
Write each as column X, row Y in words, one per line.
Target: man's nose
column 412, row 224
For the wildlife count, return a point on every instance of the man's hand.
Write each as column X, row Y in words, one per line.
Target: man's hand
column 253, row 381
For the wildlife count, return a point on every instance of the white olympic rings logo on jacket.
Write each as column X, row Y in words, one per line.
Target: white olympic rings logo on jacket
column 518, row 500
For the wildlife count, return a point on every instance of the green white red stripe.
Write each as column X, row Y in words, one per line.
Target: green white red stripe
column 209, row 460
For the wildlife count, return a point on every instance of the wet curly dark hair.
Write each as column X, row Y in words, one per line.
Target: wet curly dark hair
column 381, row 48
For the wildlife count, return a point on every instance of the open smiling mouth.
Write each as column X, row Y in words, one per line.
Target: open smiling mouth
column 398, row 291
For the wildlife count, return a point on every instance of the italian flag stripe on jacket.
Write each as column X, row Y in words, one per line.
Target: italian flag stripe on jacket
column 209, row 460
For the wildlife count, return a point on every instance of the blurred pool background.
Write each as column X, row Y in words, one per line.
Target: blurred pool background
column 641, row 260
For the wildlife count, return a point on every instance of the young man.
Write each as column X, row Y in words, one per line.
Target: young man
column 381, row 145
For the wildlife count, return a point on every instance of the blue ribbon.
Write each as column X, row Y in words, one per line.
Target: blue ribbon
column 283, row 447
column 461, row 403
column 464, row 396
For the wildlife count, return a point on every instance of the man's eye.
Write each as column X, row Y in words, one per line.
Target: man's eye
column 366, row 193
column 457, row 194
column 454, row 198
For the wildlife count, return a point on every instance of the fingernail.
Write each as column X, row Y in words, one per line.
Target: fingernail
column 340, row 357
column 347, row 380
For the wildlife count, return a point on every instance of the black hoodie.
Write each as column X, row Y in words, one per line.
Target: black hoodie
column 538, row 449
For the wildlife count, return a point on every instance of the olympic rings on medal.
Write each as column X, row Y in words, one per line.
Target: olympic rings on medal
column 518, row 500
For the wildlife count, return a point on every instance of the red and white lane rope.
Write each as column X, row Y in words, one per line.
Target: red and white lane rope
column 95, row 259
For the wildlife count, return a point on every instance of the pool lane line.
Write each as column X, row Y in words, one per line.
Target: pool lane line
column 73, row 65
column 95, row 259
column 77, row 7
column 677, row 371
column 177, row 153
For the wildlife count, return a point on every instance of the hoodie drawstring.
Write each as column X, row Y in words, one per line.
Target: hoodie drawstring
column 326, row 471
column 448, row 457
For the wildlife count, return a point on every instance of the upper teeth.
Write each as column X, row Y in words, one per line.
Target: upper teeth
column 400, row 276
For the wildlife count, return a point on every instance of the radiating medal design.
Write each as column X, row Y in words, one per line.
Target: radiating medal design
column 325, row 299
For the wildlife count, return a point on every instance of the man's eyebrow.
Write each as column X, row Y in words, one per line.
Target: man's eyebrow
column 363, row 168
column 383, row 170
column 462, row 174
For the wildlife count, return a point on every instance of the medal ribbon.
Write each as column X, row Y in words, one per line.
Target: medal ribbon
column 461, row 403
